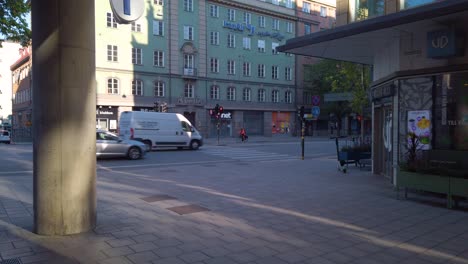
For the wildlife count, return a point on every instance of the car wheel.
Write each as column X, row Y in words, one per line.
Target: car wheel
column 134, row 153
column 194, row 144
column 148, row 144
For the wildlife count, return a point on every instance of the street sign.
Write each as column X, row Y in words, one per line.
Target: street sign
column 316, row 100
column 315, row 111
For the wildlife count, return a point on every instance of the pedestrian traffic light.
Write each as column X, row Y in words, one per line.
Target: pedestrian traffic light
column 221, row 109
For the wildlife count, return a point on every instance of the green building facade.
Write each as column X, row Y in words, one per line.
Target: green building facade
column 187, row 56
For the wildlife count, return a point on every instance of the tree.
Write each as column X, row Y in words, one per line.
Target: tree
column 340, row 77
column 13, row 24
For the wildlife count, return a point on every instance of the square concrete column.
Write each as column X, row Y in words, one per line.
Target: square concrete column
column 64, row 114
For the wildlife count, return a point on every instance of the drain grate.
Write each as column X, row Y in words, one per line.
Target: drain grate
column 188, row 209
column 157, row 198
column 10, row 261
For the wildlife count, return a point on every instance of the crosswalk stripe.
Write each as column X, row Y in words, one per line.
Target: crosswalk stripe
column 246, row 154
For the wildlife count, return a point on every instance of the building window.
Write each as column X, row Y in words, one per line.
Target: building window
column 246, row 69
column 306, row 7
column 231, row 41
column 275, row 2
column 246, row 43
column 136, row 27
column 289, row 3
column 287, row 74
column 323, row 11
column 261, row 70
column 214, row 92
column 261, row 45
column 214, row 38
column 231, row 15
column 276, row 24
column 214, row 65
column 274, row 72
column 368, row 8
column 214, row 11
column 231, row 66
column 450, row 120
column 261, row 21
column 188, row 5
column 288, row 97
column 261, row 95
column 275, row 96
column 189, row 90
column 247, row 18
column 112, row 86
column 188, row 33
column 413, row 3
column 112, row 53
column 158, row 58
column 111, row 20
column 137, row 87
column 307, row 28
column 188, row 61
column 274, row 45
column 231, row 93
column 158, row 27
column 159, row 89
column 158, row 2
column 289, row 27
column 137, row 56
column 246, row 94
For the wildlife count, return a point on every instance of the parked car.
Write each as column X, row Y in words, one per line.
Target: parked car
column 5, row 136
column 110, row 145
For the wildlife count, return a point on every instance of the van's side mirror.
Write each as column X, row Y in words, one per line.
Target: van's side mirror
column 192, row 129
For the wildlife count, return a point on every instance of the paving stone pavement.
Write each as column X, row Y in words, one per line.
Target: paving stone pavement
column 284, row 213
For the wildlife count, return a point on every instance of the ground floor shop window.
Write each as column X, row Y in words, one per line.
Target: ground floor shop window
column 451, row 111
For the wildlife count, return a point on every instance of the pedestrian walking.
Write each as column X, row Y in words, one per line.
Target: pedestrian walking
column 243, row 135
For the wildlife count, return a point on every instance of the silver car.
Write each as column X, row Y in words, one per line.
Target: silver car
column 110, row 145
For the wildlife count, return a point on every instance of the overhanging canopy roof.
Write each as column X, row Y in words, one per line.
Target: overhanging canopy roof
column 355, row 42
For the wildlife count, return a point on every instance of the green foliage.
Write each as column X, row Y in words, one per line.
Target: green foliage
column 330, row 76
column 13, row 24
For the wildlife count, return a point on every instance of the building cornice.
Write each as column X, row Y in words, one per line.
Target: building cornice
column 258, row 9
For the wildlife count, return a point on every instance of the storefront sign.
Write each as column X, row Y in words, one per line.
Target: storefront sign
column 419, row 123
column 239, row 27
column 382, row 91
column 251, row 29
column 444, row 43
column 189, row 101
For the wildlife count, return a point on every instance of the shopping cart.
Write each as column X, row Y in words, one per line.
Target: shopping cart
column 344, row 158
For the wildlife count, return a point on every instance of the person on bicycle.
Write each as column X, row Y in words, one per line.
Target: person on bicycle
column 243, row 134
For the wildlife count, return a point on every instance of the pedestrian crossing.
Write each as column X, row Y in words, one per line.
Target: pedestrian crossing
column 246, row 154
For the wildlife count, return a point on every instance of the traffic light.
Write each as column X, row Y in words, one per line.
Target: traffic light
column 221, row 109
column 156, row 107
column 301, row 113
column 358, row 117
column 216, row 110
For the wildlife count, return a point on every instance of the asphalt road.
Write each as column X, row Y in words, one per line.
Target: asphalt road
column 16, row 160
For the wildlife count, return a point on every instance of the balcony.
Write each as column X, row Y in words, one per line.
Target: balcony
column 190, row 73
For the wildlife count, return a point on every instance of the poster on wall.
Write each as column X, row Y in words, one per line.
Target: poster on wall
column 419, row 123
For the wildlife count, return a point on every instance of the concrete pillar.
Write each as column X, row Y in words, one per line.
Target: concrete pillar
column 64, row 114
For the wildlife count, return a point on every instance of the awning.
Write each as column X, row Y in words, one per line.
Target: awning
column 357, row 42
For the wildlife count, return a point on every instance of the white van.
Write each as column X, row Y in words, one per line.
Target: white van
column 159, row 129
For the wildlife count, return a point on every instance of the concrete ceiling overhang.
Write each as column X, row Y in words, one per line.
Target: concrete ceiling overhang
column 359, row 41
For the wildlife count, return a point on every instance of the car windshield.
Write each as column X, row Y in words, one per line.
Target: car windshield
column 104, row 135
